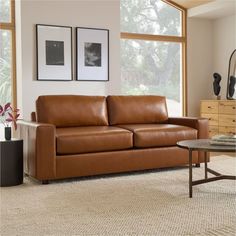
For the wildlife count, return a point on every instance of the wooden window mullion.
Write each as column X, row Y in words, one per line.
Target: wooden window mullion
column 11, row 27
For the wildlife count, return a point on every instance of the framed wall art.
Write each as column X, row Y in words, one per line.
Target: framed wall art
column 92, row 54
column 54, row 52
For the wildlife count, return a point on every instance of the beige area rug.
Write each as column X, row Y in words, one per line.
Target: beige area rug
column 150, row 203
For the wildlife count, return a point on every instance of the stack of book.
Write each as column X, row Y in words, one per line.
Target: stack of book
column 223, row 140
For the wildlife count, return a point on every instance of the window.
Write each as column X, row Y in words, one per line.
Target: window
column 153, row 48
column 7, row 52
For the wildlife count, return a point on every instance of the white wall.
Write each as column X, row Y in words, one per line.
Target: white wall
column 199, row 63
column 224, row 42
column 210, row 44
column 90, row 13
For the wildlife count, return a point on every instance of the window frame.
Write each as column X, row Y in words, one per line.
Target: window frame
column 11, row 27
column 167, row 38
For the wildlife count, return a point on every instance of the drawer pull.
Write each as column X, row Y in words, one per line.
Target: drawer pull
column 233, row 120
column 209, row 107
column 234, row 107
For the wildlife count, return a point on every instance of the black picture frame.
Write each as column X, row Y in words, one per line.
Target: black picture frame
column 92, row 54
column 54, row 59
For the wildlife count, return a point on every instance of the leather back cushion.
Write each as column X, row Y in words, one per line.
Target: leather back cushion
column 137, row 109
column 71, row 110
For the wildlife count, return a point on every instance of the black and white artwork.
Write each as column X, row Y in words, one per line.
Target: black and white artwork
column 54, row 52
column 92, row 54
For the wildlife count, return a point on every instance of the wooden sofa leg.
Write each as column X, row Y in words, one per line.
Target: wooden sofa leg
column 45, row 182
column 197, row 165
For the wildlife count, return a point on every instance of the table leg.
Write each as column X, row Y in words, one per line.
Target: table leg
column 190, row 174
column 205, row 159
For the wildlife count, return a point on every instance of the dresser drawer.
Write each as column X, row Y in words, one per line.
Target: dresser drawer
column 227, row 130
column 227, row 120
column 213, row 130
column 209, row 107
column 213, row 118
column 227, row 107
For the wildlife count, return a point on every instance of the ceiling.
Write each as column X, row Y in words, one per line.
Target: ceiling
column 191, row 3
column 214, row 10
column 208, row 9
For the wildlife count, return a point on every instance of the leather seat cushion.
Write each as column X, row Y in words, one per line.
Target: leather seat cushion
column 76, row 140
column 159, row 135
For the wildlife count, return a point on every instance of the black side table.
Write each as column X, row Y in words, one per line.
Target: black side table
column 11, row 162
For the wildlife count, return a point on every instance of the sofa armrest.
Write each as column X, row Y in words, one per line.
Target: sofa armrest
column 200, row 124
column 39, row 149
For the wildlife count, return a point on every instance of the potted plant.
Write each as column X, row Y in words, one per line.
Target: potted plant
column 8, row 117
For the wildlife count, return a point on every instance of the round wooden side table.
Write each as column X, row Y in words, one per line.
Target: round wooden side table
column 11, row 162
column 205, row 146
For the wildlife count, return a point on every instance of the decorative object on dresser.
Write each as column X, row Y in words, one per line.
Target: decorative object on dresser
column 54, row 52
column 231, row 77
column 232, row 82
column 216, row 84
column 221, row 115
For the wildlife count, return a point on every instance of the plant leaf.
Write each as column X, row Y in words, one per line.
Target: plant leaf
column 10, row 115
column 7, row 106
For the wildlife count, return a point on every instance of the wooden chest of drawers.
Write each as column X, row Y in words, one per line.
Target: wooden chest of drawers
column 221, row 115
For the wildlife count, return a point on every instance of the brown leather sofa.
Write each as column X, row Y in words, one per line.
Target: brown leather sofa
column 73, row 136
